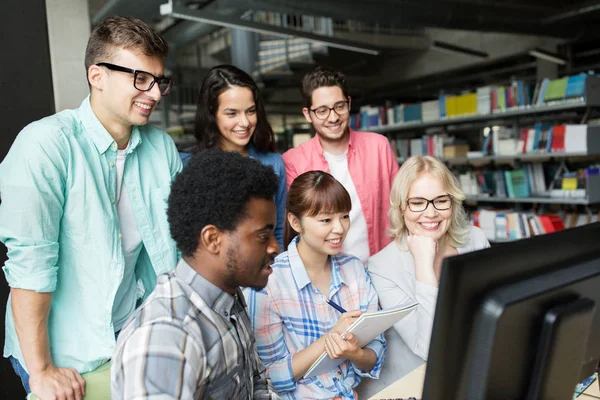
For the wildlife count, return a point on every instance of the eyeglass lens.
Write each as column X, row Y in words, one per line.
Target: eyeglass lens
column 340, row 108
column 418, row 204
column 144, row 81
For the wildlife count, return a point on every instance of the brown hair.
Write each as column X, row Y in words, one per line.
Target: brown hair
column 322, row 77
column 313, row 193
column 123, row 32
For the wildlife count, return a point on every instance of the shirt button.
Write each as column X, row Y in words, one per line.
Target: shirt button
column 109, row 313
column 113, row 146
column 120, row 236
column 112, row 201
column 226, row 314
column 119, row 275
column 112, row 164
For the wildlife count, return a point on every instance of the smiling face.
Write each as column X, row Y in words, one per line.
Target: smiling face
column 431, row 222
column 252, row 247
column 116, row 102
column 236, row 118
column 323, row 234
column 335, row 127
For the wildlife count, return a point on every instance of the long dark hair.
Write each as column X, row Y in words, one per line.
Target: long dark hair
column 312, row 193
column 216, row 81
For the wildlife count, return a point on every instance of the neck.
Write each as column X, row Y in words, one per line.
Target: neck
column 119, row 132
column 243, row 150
column 313, row 261
column 209, row 268
column 335, row 147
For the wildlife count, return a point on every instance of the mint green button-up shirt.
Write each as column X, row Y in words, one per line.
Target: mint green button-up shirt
column 59, row 221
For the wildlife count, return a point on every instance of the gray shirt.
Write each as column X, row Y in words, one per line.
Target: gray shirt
column 189, row 340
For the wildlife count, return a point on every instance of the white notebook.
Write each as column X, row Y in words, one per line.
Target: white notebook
column 365, row 328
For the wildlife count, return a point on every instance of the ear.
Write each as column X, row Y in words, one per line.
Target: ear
column 95, row 76
column 294, row 222
column 349, row 101
column 211, row 239
column 306, row 113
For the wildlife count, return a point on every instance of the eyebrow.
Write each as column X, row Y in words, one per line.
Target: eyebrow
column 268, row 227
column 235, row 109
column 334, row 103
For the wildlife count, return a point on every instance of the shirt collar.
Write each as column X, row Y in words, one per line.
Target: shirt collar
column 214, row 297
column 301, row 276
column 351, row 142
column 99, row 135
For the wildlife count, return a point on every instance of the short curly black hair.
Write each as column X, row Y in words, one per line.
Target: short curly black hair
column 213, row 189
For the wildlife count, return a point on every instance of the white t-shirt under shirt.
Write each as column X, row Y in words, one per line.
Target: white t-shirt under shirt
column 357, row 239
column 131, row 239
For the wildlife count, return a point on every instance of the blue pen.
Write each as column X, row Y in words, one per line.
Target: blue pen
column 334, row 305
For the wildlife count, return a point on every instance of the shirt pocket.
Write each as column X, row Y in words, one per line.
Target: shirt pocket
column 228, row 386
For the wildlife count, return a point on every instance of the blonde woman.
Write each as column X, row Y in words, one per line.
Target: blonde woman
column 428, row 224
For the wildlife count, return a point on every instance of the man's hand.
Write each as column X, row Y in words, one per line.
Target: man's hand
column 55, row 383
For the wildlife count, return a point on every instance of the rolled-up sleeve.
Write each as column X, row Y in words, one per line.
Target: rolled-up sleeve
column 270, row 343
column 32, row 192
column 378, row 344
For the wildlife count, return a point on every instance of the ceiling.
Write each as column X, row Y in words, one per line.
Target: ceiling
column 501, row 28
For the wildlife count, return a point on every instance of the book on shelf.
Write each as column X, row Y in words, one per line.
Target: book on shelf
column 485, row 100
column 508, row 224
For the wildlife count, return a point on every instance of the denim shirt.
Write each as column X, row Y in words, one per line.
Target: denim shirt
column 275, row 161
column 59, row 221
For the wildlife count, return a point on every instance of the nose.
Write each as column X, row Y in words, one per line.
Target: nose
column 430, row 211
column 154, row 92
column 338, row 227
column 243, row 121
column 273, row 248
column 333, row 117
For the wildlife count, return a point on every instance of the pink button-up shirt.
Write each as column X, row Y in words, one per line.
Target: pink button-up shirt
column 372, row 166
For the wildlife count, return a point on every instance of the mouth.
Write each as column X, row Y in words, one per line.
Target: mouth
column 334, row 127
column 430, row 226
column 335, row 243
column 242, row 133
column 143, row 106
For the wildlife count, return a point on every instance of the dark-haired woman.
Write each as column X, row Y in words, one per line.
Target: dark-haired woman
column 231, row 116
column 293, row 320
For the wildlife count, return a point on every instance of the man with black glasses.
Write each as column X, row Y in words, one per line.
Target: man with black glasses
column 83, row 214
column 363, row 162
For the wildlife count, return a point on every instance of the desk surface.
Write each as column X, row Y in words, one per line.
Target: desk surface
column 411, row 385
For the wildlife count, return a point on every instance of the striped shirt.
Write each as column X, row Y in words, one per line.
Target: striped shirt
column 290, row 313
column 189, row 340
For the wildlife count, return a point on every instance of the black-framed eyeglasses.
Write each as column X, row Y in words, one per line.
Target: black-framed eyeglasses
column 420, row 204
column 340, row 108
column 142, row 80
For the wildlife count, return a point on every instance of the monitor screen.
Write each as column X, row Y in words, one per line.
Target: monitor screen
column 513, row 321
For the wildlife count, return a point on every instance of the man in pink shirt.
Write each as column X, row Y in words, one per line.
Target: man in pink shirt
column 362, row 161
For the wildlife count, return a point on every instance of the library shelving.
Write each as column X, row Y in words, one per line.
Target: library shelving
column 539, row 156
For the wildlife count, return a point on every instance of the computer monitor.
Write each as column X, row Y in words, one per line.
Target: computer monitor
column 519, row 320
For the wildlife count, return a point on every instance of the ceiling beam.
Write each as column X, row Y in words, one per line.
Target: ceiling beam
column 214, row 18
column 508, row 18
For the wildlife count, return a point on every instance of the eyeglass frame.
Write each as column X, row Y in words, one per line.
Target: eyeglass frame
column 429, row 202
column 331, row 109
column 135, row 72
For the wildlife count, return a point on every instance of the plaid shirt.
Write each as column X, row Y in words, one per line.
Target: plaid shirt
column 290, row 313
column 189, row 340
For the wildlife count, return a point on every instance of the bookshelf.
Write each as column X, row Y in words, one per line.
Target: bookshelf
column 521, row 111
column 533, row 200
column 500, row 170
